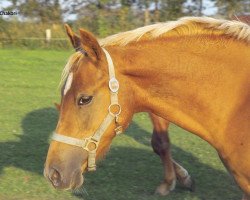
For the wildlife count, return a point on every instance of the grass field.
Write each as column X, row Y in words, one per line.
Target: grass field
column 131, row 171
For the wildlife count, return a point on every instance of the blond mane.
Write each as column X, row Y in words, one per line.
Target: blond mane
column 183, row 26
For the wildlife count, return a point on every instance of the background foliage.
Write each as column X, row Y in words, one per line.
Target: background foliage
column 102, row 17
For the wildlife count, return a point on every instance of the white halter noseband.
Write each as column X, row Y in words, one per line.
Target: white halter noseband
column 95, row 139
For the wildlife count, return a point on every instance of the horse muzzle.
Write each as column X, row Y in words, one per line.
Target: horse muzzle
column 64, row 166
column 62, row 180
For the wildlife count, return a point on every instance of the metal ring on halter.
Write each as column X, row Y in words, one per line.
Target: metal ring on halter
column 89, row 141
column 116, row 113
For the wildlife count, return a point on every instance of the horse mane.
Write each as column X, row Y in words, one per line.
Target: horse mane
column 183, row 26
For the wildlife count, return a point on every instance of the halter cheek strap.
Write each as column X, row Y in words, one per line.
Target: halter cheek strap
column 93, row 141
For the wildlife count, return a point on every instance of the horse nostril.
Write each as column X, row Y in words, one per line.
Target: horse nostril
column 55, row 177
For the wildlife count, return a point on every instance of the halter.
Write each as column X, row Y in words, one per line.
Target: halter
column 95, row 139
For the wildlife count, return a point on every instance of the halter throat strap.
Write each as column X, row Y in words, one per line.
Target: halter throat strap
column 94, row 140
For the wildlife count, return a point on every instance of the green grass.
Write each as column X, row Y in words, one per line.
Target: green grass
column 28, row 89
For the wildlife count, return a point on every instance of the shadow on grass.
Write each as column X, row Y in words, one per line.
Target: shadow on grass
column 30, row 152
column 126, row 173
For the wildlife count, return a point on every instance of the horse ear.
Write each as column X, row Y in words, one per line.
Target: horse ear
column 75, row 40
column 91, row 44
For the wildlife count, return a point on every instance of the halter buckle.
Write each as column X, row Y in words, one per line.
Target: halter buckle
column 118, row 130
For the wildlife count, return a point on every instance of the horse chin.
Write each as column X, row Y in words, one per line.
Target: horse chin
column 78, row 177
column 77, row 180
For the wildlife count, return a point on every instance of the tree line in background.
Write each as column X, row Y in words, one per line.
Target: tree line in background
column 104, row 17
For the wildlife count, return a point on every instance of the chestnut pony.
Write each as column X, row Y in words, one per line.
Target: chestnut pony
column 193, row 72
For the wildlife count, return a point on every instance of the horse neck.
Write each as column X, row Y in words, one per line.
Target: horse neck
column 181, row 80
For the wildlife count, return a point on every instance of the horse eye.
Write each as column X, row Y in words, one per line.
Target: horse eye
column 84, row 100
